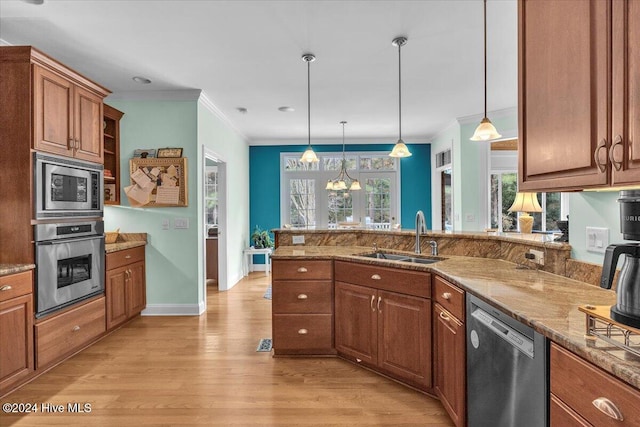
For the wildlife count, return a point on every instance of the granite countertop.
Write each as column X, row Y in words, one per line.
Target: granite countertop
column 6, row 269
column 126, row 241
column 547, row 302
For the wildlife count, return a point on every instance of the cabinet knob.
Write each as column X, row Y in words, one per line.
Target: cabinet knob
column 616, row 165
column 75, row 328
column 6, row 288
column 608, row 408
column 358, row 360
column 127, row 257
column 303, row 331
column 446, row 295
column 302, row 296
column 602, row 164
column 444, row 317
column 302, row 270
column 376, row 277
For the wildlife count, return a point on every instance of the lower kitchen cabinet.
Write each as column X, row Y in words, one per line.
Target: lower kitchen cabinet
column 385, row 330
column 63, row 334
column 584, row 395
column 449, row 365
column 16, row 329
column 125, row 285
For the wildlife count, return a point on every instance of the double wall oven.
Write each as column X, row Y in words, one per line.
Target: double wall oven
column 69, row 231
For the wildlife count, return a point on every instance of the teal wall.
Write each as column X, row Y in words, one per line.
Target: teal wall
column 264, row 181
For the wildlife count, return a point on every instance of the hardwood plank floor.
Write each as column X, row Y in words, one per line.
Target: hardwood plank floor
column 206, row 371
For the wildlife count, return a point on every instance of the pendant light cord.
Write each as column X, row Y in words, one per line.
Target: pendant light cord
column 485, row 58
column 309, row 101
column 400, row 93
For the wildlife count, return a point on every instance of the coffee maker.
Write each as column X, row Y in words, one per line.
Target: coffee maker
column 627, row 308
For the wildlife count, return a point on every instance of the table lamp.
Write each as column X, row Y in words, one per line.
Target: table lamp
column 525, row 203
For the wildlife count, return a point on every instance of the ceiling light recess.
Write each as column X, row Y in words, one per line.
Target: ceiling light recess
column 339, row 183
column 141, row 80
column 485, row 131
column 400, row 149
column 286, row 109
column 309, row 156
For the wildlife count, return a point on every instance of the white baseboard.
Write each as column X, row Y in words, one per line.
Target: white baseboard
column 174, row 309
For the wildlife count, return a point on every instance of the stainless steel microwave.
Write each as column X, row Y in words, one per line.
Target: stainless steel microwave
column 67, row 188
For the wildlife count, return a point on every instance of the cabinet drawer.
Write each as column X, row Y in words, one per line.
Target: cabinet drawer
column 312, row 333
column 302, row 297
column 449, row 296
column 388, row 279
column 578, row 384
column 127, row 256
column 302, row 270
column 15, row 285
column 65, row 333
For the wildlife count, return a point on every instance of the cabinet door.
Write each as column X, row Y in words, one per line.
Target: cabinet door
column 404, row 337
column 16, row 340
column 53, row 112
column 136, row 289
column 563, row 94
column 116, row 292
column 449, row 364
column 88, row 125
column 356, row 322
column 625, row 130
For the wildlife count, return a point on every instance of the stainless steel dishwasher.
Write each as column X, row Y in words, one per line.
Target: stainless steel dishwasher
column 507, row 377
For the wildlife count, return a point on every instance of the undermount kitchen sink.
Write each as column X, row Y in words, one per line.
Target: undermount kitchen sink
column 401, row 258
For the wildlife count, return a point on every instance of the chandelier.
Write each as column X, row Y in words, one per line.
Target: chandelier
column 339, row 182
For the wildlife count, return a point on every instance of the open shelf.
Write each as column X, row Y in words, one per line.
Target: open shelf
column 111, row 150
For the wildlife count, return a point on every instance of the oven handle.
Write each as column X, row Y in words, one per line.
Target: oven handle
column 75, row 239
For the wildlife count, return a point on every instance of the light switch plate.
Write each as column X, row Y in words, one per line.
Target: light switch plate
column 165, row 224
column 597, row 239
column 298, row 240
column 181, row 223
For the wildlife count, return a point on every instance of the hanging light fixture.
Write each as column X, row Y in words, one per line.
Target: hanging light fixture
column 339, row 183
column 400, row 149
column 485, row 131
column 309, row 156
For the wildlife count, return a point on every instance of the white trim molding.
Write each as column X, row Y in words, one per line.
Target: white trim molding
column 156, row 95
column 506, row 112
column 213, row 108
column 174, row 309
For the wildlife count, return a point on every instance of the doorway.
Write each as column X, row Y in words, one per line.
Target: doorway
column 446, row 200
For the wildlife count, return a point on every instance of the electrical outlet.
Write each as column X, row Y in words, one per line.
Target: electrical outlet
column 597, row 239
column 181, row 223
column 538, row 256
column 298, row 240
column 470, row 217
column 165, row 224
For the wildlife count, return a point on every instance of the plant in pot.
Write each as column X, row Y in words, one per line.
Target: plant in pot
column 261, row 238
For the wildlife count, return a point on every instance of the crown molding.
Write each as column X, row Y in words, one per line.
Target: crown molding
column 155, row 95
column 3, row 42
column 496, row 114
column 209, row 105
column 334, row 141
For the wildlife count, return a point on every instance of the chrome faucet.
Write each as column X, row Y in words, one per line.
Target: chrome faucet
column 434, row 247
column 421, row 227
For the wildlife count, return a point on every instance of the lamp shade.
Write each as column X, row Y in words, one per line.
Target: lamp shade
column 355, row 185
column 485, row 131
column 309, row 156
column 526, row 202
column 400, row 150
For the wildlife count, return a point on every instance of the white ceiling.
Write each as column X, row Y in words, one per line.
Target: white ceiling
column 248, row 54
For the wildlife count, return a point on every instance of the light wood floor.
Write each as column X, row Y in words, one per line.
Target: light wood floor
column 205, row 371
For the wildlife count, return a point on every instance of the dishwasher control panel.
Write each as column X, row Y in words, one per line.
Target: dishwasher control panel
column 518, row 340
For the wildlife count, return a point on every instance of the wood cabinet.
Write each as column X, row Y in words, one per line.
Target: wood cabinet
column 302, row 307
column 449, row 349
column 386, row 330
column 584, row 395
column 578, row 94
column 111, row 145
column 125, row 285
column 62, row 334
column 16, row 329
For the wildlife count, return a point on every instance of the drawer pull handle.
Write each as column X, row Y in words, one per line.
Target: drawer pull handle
column 6, row 288
column 303, row 331
column 373, row 298
column 128, row 257
column 446, row 295
column 376, row 277
column 302, row 270
column 444, row 316
column 358, row 360
column 379, row 300
column 596, row 155
column 75, row 328
column 608, row 408
column 616, row 165
column 302, row 296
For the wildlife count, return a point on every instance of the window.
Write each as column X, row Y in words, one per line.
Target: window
column 307, row 204
column 211, row 196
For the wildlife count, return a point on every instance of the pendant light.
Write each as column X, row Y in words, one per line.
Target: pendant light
column 338, row 183
column 485, row 131
column 309, row 156
column 400, row 149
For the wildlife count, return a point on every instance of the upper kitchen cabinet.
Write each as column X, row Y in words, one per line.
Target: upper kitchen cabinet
column 624, row 153
column 66, row 107
column 564, row 97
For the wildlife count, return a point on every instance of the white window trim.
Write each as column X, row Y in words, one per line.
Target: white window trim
column 322, row 176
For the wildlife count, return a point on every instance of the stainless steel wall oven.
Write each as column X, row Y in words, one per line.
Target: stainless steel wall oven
column 69, row 263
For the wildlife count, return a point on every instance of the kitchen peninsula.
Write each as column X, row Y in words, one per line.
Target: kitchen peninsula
column 489, row 266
